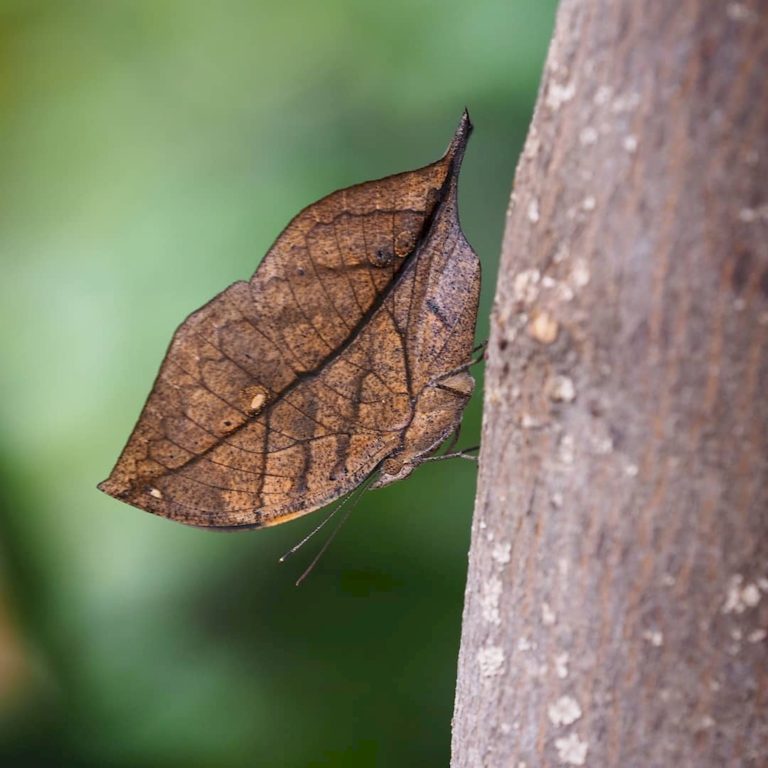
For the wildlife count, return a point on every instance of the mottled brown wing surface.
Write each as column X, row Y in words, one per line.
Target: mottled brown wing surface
column 287, row 391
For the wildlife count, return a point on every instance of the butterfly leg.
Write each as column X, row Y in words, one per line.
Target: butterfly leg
column 466, row 453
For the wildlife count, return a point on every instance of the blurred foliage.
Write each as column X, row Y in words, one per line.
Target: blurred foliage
column 149, row 154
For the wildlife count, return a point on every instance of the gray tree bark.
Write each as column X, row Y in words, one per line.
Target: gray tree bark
column 617, row 598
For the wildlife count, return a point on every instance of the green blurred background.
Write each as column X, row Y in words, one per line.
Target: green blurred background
column 150, row 152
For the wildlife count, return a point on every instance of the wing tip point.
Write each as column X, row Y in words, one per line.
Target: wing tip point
column 460, row 137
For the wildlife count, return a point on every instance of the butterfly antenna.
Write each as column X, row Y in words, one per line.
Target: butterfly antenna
column 331, row 514
column 357, row 494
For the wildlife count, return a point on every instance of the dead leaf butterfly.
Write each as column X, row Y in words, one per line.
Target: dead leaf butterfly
column 344, row 356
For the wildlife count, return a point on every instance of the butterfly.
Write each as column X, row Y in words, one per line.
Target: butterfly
column 343, row 359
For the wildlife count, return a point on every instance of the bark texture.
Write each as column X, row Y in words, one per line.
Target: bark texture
column 617, row 598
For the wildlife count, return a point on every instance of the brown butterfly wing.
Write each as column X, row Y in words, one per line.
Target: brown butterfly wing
column 436, row 301
column 284, row 393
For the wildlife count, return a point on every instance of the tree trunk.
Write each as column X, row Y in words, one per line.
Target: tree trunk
column 617, row 598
